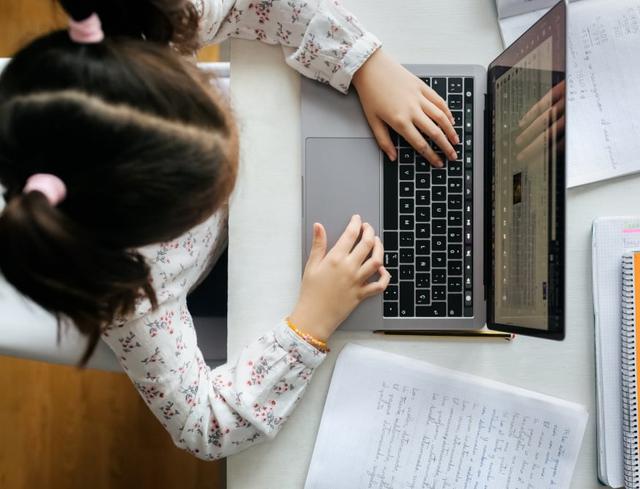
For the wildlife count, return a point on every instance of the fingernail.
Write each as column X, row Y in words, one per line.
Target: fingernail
column 457, row 140
column 439, row 163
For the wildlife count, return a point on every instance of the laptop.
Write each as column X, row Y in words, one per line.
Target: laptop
column 478, row 242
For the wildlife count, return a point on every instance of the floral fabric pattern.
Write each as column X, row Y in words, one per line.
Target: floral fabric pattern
column 322, row 40
column 211, row 413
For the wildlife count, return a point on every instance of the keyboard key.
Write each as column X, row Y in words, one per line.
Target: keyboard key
column 423, row 264
column 439, row 210
column 427, row 81
column 406, row 299
column 454, row 284
column 439, row 226
column 454, row 305
column 439, row 243
column 455, row 85
column 390, row 259
column 423, row 247
column 454, row 201
column 459, row 134
column 406, row 189
column 438, row 293
column 468, row 142
column 391, row 293
column 390, row 191
column 423, row 197
column 454, row 252
column 406, row 272
column 439, row 259
column 435, row 310
column 440, row 86
column 394, row 275
column 406, row 238
column 468, row 238
column 468, row 161
column 423, row 297
column 455, row 102
column 406, row 255
column 468, row 283
column 406, row 222
column 423, row 214
column 457, row 117
column 406, row 172
column 454, row 267
column 406, row 155
column 423, row 281
column 455, row 185
column 406, row 206
column 422, row 164
column 455, row 218
column 423, row 231
column 468, row 179
column 439, row 276
column 390, row 240
column 439, row 176
column 454, row 235
column 439, row 193
column 468, row 299
column 391, row 309
column 422, row 180
column 455, row 169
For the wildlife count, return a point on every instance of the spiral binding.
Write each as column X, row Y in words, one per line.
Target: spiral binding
column 629, row 381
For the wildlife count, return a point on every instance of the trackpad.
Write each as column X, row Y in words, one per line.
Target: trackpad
column 342, row 178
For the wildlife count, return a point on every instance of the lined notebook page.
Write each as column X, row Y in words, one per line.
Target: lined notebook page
column 603, row 96
column 392, row 422
column 630, row 365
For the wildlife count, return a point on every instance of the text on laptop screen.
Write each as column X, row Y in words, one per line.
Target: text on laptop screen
column 528, row 142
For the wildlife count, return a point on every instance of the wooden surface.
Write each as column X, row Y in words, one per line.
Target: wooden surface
column 61, row 428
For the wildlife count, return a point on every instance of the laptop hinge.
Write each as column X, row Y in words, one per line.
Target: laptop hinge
column 488, row 206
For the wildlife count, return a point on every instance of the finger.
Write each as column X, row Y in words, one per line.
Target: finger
column 365, row 245
column 349, row 237
column 417, row 140
column 381, row 133
column 440, row 118
column 319, row 245
column 372, row 265
column 377, row 287
column 428, row 127
column 433, row 97
column 556, row 94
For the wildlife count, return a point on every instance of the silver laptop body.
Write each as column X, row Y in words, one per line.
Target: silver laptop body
column 342, row 175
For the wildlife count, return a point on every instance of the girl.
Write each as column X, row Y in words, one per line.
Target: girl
column 118, row 158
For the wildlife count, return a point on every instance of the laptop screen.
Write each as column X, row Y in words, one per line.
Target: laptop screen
column 526, row 173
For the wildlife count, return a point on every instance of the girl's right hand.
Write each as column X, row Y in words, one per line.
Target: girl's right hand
column 334, row 283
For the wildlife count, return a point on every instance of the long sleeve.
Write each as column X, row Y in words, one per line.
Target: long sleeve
column 322, row 40
column 213, row 413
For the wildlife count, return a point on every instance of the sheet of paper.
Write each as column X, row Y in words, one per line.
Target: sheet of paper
column 603, row 90
column 392, row 422
column 511, row 28
column 612, row 237
column 511, row 8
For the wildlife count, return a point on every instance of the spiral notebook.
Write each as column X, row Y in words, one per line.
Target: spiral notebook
column 630, row 365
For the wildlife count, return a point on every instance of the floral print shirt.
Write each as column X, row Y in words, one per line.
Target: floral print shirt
column 213, row 413
column 321, row 39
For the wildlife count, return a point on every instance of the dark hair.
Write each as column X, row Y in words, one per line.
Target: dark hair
column 144, row 145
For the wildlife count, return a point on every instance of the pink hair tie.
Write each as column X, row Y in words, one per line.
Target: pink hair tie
column 87, row 31
column 51, row 186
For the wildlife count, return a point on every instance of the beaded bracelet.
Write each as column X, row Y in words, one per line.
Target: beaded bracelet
column 320, row 345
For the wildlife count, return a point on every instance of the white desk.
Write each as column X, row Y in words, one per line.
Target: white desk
column 264, row 263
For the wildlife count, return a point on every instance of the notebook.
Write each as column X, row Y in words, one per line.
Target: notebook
column 603, row 73
column 390, row 421
column 630, row 365
column 612, row 238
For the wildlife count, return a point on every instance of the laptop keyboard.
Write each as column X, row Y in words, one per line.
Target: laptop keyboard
column 428, row 220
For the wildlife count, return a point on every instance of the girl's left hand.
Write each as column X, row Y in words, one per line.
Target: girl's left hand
column 391, row 95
